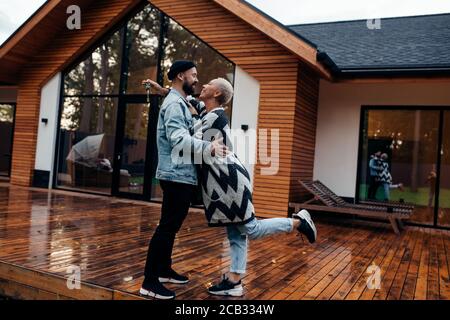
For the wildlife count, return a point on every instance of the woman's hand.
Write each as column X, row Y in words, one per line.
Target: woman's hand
column 155, row 86
column 193, row 110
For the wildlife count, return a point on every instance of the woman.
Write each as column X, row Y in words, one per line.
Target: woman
column 385, row 178
column 226, row 189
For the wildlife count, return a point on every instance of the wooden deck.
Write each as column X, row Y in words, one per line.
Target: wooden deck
column 42, row 234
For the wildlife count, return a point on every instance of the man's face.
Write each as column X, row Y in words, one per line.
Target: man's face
column 209, row 91
column 189, row 81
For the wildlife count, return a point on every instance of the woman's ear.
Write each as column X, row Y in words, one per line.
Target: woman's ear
column 217, row 94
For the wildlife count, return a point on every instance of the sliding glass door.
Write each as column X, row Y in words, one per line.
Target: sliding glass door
column 136, row 147
column 444, row 181
column 401, row 161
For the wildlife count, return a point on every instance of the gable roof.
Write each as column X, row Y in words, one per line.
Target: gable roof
column 417, row 43
column 295, row 43
column 38, row 30
column 33, row 36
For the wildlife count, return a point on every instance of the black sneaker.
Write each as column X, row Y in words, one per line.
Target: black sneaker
column 227, row 288
column 156, row 290
column 306, row 226
column 173, row 277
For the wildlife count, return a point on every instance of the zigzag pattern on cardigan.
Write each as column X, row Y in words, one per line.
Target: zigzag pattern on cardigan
column 226, row 186
column 384, row 175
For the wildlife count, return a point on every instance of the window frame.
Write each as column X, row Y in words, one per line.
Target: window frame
column 438, row 108
column 121, row 26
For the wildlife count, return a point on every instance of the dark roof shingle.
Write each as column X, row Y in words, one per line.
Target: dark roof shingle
column 400, row 43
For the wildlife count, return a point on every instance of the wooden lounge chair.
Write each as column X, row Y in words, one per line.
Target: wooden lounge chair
column 395, row 205
column 326, row 200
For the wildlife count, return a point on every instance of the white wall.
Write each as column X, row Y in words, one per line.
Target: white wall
column 46, row 140
column 337, row 137
column 245, row 111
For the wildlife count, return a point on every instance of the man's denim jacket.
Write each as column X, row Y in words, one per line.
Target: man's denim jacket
column 176, row 147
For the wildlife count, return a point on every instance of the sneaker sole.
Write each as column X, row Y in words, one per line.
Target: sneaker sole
column 151, row 294
column 237, row 292
column 305, row 215
column 170, row 280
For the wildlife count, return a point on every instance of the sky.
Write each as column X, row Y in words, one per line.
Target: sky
column 14, row 12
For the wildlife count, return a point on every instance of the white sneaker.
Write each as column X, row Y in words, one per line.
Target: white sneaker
column 306, row 226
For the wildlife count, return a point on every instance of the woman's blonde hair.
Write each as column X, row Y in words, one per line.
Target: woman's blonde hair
column 226, row 90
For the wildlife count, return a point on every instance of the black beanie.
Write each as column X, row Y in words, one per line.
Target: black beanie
column 179, row 66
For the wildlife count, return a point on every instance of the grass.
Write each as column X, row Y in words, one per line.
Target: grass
column 419, row 198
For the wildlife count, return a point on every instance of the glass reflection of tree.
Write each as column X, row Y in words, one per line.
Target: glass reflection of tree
column 142, row 47
column 141, row 52
column 97, row 75
column 181, row 44
column 6, row 113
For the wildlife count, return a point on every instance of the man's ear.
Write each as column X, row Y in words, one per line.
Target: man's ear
column 180, row 76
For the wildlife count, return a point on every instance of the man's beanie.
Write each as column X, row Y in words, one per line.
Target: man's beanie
column 179, row 66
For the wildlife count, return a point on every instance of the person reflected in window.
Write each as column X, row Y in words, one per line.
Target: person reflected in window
column 431, row 180
column 385, row 178
column 375, row 169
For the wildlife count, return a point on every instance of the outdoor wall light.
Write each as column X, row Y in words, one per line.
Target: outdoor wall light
column 244, row 127
column 44, row 121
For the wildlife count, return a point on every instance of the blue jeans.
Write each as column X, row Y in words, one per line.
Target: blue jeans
column 238, row 236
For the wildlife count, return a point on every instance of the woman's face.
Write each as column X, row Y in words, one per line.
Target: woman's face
column 209, row 91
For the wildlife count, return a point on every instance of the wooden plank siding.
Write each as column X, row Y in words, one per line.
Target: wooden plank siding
column 277, row 71
column 304, row 131
column 287, row 100
column 97, row 19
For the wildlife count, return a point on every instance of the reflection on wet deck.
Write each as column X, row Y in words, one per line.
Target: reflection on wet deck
column 43, row 236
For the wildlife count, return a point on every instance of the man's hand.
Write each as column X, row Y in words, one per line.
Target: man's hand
column 219, row 149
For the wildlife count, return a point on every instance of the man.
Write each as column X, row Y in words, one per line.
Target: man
column 374, row 168
column 178, row 179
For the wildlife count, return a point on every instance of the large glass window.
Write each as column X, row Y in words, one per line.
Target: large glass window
column 99, row 73
column 143, row 32
column 180, row 44
column 400, row 158
column 6, row 134
column 86, row 143
column 444, row 190
column 107, row 139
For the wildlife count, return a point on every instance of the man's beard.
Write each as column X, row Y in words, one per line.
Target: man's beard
column 189, row 89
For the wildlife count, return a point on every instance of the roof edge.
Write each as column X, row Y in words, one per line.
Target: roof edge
column 275, row 21
column 305, row 51
column 20, row 28
column 361, row 20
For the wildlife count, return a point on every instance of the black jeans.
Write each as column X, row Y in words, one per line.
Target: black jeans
column 175, row 207
column 373, row 187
